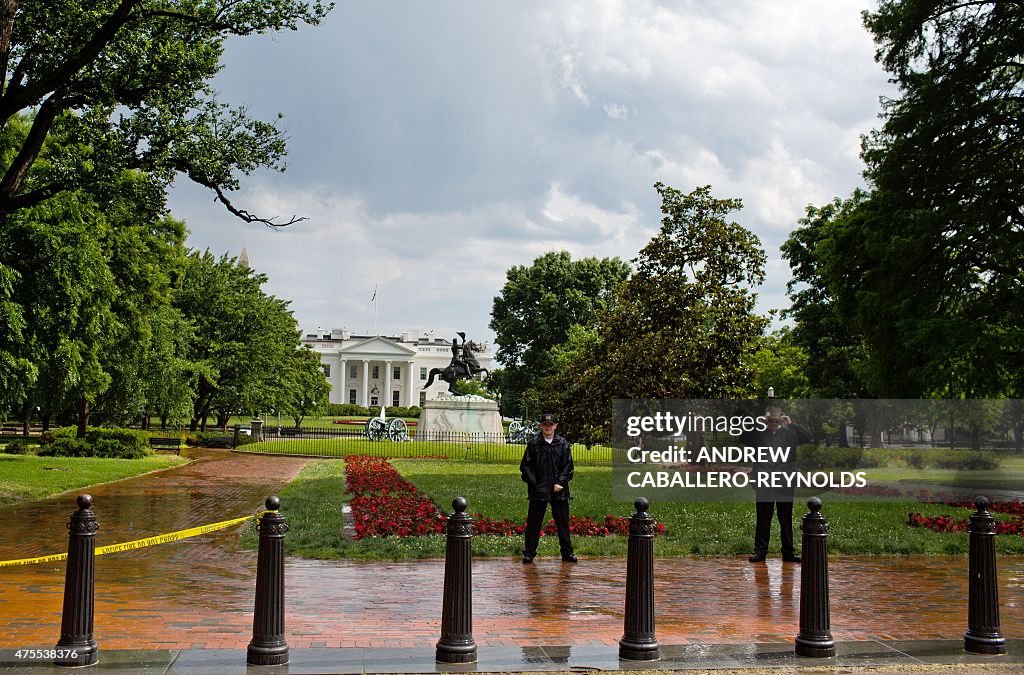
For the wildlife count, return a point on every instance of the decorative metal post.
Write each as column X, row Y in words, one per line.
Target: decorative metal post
column 815, row 636
column 638, row 641
column 77, row 646
column 268, row 646
column 456, row 644
column 983, row 634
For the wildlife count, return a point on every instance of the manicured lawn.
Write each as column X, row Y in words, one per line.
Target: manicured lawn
column 27, row 477
column 474, row 452
column 312, row 504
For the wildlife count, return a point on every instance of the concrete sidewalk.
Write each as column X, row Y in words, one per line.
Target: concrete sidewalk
column 931, row 656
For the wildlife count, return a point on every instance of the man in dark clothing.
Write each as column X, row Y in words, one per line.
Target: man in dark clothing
column 781, row 433
column 547, row 469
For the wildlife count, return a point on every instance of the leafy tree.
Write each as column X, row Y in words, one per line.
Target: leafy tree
column 124, row 85
column 834, row 348
column 306, row 387
column 537, row 306
column 931, row 265
column 683, row 325
column 780, row 364
column 244, row 338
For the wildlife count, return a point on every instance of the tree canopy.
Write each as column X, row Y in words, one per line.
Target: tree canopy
column 93, row 89
column 682, row 326
column 927, row 268
column 538, row 305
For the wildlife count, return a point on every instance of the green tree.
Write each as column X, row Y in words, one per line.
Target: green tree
column 244, row 338
column 835, row 351
column 124, row 85
column 781, row 364
column 683, row 325
column 537, row 306
column 306, row 387
column 931, row 265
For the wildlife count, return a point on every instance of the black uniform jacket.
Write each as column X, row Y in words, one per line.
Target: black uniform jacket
column 545, row 465
column 787, row 438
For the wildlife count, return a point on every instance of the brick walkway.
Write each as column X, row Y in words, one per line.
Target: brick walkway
column 197, row 594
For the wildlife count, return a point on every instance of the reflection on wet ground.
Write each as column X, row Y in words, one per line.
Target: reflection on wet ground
column 198, row 593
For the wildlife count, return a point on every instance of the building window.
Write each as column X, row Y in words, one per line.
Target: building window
column 352, row 396
column 423, row 373
column 374, row 401
column 327, row 370
column 423, row 398
column 396, row 373
column 396, row 398
column 352, row 372
column 376, row 372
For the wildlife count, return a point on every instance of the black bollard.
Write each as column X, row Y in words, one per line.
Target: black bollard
column 815, row 636
column 638, row 641
column 268, row 646
column 456, row 644
column 983, row 634
column 77, row 646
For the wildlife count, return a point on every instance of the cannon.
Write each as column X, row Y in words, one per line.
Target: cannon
column 521, row 431
column 393, row 429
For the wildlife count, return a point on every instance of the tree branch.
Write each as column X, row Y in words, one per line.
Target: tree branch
column 19, row 97
column 245, row 215
column 8, row 8
column 18, row 169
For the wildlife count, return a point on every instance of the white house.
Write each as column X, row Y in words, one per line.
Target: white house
column 383, row 370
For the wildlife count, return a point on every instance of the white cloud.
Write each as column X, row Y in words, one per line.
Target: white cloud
column 433, row 146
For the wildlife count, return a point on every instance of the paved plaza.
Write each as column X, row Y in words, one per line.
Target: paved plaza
column 197, row 595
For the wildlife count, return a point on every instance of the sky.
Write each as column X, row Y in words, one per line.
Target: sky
column 434, row 145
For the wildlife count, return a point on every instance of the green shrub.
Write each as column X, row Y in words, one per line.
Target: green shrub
column 209, row 439
column 345, row 409
column 18, row 446
column 401, row 411
column 929, row 458
column 63, row 446
column 245, row 439
column 134, row 443
column 51, row 435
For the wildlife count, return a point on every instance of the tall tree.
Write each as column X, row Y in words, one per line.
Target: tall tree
column 129, row 80
column 537, row 306
column 933, row 261
column 683, row 325
column 244, row 338
column 834, row 347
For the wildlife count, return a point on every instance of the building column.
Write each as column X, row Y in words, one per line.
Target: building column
column 410, row 378
column 387, row 383
column 342, row 381
column 366, row 383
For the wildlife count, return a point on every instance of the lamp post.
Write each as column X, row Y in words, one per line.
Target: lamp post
column 771, row 392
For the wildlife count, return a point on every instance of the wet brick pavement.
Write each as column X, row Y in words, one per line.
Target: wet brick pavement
column 197, row 594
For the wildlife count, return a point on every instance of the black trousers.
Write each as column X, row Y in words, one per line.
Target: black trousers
column 535, row 520
column 762, row 533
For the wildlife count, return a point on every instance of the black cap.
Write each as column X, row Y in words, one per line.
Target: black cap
column 547, row 417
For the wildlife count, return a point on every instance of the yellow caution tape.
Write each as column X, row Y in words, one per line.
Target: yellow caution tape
column 138, row 543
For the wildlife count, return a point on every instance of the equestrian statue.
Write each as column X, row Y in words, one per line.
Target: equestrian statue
column 463, row 366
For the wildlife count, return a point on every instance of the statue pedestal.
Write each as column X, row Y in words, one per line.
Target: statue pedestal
column 460, row 418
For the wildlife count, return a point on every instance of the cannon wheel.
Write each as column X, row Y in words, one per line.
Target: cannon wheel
column 397, row 430
column 530, row 429
column 515, row 432
column 375, row 428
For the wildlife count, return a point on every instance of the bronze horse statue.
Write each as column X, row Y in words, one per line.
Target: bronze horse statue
column 460, row 368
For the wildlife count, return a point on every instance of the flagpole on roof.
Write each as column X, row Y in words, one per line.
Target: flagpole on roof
column 374, row 301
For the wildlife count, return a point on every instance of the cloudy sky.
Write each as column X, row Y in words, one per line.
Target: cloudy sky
column 434, row 145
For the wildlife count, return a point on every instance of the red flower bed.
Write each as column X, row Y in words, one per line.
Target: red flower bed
column 946, row 523
column 385, row 504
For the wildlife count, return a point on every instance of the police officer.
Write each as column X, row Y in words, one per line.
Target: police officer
column 547, row 469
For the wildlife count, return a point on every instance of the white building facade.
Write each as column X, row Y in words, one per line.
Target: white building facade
column 380, row 370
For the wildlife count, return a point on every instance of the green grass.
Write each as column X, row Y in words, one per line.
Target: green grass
column 357, row 445
column 312, row 504
column 27, row 477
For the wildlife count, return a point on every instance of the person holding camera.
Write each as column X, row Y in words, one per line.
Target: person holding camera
column 780, row 433
column 547, row 469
